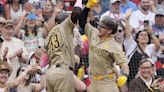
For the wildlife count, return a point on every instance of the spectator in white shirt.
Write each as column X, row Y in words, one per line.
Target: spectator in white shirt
column 15, row 48
column 143, row 14
column 114, row 11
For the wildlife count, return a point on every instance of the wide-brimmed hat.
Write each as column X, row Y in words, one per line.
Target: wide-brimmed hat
column 8, row 23
column 108, row 22
column 2, row 19
column 5, row 66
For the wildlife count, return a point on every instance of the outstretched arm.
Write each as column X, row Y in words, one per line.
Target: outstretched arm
column 84, row 14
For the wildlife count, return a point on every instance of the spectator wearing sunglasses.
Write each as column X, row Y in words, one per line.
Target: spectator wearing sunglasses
column 5, row 71
column 158, row 27
column 120, row 34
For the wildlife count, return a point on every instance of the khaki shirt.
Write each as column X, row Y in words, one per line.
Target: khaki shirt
column 103, row 53
column 60, row 44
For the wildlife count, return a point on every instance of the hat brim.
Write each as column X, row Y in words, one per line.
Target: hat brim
column 101, row 24
column 159, row 14
column 8, row 25
column 3, row 67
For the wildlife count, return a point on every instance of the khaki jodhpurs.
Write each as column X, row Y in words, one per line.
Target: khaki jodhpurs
column 106, row 85
column 59, row 79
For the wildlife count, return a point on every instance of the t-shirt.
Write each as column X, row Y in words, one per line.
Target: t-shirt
column 32, row 42
column 137, row 19
column 1, row 89
column 118, row 17
column 13, row 46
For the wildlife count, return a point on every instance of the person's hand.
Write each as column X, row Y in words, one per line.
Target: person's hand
column 23, row 17
column 19, row 53
column 91, row 16
column 91, row 3
column 38, row 52
column 57, row 9
column 39, row 70
column 161, row 86
column 150, row 30
column 121, row 81
column 156, row 83
column 31, row 69
column 128, row 13
column 5, row 53
column 40, row 17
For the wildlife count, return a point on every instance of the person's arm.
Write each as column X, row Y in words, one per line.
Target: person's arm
column 22, row 76
column 120, row 59
column 5, row 51
column 128, row 28
column 7, row 11
column 79, row 85
column 84, row 14
column 42, row 84
column 17, row 29
column 133, row 21
column 125, row 68
column 57, row 10
column 161, row 37
column 22, row 55
column 45, row 26
column 83, row 17
column 154, row 39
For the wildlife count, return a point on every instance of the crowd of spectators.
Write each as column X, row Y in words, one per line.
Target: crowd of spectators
column 25, row 24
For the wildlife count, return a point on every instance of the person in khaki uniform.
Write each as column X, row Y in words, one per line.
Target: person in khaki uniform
column 60, row 77
column 104, row 52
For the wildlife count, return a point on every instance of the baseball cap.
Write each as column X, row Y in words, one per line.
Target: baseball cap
column 108, row 22
column 113, row 1
column 160, row 11
column 32, row 16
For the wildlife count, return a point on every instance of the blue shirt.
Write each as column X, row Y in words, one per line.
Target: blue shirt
column 129, row 4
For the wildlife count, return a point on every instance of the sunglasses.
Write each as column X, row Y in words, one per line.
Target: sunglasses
column 120, row 31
